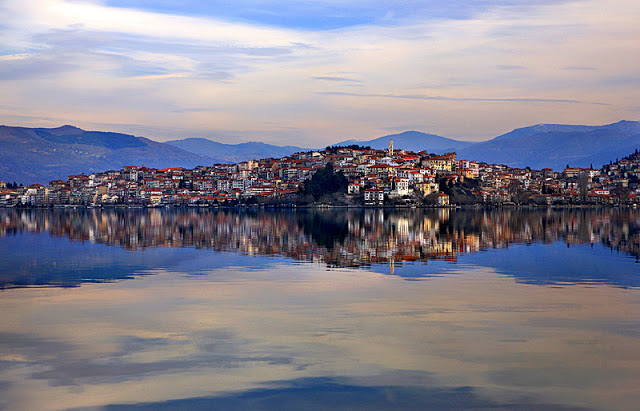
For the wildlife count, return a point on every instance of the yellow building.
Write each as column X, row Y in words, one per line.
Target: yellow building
column 438, row 163
column 443, row 199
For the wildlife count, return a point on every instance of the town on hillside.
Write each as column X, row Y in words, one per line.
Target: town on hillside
column 349, row 175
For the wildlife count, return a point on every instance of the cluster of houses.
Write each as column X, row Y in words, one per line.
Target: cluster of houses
column 376, row 177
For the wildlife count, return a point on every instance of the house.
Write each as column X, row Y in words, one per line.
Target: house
column 400, row 186
column 373, row 197
column 438, row 163
column 353, row 188
column 426, row 188
column 442, row 199
column 468, row 172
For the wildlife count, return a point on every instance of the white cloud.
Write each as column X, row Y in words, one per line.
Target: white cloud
column 252, row 76
column 39, row 15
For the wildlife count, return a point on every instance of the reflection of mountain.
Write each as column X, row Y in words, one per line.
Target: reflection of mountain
column 339, row 238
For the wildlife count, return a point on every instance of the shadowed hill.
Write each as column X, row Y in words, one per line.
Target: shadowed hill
column 234, row 153
column 555, row 146
column 414, row 141
column 39, row 155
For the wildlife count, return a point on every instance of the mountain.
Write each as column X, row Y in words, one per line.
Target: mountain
column 544, row 128
column 555, row 146
column 233, row 153
column 39, row 155
column 414, row 141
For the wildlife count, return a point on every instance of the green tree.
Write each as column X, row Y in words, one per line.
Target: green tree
column 325, row 181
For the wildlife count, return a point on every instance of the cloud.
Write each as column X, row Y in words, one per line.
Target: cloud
column 580, row 68
column 32, row 67
column 62, row 14
column 405, row 127
column 336, row 79
column 104, row 63
column 507, row 67
column 442, row 98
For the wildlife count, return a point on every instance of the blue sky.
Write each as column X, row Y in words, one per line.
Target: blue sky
column 317, row 72
column 321, row 15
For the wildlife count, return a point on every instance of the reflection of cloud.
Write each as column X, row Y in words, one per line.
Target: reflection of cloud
column 23, row 345
column 189, row 337
column 216, row 349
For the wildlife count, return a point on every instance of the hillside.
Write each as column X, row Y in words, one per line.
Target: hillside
column 555, row 146
column 29, row 155
column 543, row 128
column 233, row 153
column 39, row 155
column 414, row 141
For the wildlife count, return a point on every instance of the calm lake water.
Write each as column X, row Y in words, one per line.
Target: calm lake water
column 319, row 309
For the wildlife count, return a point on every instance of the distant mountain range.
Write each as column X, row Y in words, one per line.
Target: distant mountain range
column 413, row 141
column 543, row 145
column 38, row 155
column 555, row 146
column 234, row 153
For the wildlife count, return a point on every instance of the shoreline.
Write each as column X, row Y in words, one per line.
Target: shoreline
column 325, row 206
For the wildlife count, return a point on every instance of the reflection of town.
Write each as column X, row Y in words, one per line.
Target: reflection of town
column 339, row 238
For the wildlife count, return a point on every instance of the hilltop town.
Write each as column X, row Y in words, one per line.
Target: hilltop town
column 366, row 177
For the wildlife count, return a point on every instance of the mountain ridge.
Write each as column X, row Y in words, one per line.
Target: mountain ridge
column 412, row 140
column 39, row 155
column 582, row 147
column 251, row 150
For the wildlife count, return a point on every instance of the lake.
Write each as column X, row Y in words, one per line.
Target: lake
column 320, row 309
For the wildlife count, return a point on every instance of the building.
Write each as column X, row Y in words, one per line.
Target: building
column 373, row 197
column 438, row 163
column 443, row 199
column 353, row 188
column 400, row 186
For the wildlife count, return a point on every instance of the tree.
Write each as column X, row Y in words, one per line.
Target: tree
column 583, row 186
column 334, row 149
column 515, row 188
column 325, row 181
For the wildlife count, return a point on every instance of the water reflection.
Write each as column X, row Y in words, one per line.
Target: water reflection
column 286, row 338
column 337, row 238
column 217, row 313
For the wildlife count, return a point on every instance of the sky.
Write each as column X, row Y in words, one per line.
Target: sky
column 316, row 72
